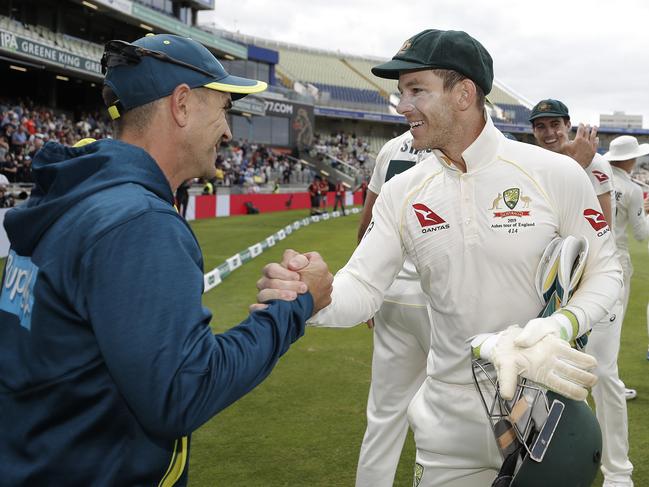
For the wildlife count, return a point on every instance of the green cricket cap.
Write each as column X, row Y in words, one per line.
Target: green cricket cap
column 549, row 108
column 442, row 49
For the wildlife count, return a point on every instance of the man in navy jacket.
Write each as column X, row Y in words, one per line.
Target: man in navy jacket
column 106, row 367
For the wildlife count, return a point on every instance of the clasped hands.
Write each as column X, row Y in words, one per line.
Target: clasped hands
column 295, row 274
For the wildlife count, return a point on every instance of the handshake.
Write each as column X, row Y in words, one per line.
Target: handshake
column 296, row 274
column 539, row 352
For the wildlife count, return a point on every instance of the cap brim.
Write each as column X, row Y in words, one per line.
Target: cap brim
column 391, row 69
column 239, row 87
column 547, row 115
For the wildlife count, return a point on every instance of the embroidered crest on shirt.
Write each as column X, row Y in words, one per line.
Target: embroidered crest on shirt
column 511, row 197
column 512, row 219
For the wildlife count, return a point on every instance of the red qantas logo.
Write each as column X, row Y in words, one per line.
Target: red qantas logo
column 601, row 177
column 426, row 216
column 595, row 218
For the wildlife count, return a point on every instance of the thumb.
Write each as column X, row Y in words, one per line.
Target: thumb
column 293, row 260
column 507, row 380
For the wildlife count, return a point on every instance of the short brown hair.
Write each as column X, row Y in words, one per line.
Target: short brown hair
column 136, row 119
column 451, row 78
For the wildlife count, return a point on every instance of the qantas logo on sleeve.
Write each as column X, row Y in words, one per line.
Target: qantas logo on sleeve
column 601, row 177
column 597, row 221
column 428, row 219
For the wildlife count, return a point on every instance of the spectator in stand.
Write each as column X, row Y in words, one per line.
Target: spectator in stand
column 18, row 140
column 219, row 176
column 35, row 144
column 24, row 173
column 4, row 148
column 340, row 197
column 10, row 167
column 286, row 174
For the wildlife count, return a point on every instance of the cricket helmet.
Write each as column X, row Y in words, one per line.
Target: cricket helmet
column 545, row 439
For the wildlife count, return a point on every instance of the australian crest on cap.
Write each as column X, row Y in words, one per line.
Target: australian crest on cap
column 406, row 45
column 544, row 107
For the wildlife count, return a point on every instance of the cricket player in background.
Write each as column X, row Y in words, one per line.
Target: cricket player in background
column 401, row 339
column 475, row 223
column 551, row 126
column 622, row 154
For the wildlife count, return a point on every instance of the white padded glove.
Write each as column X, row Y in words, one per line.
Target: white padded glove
column 557, row 325
column 550, row 362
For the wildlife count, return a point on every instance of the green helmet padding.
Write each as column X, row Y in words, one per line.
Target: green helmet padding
column 573, row 457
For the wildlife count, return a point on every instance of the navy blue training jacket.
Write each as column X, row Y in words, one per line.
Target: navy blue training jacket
column 107, row 360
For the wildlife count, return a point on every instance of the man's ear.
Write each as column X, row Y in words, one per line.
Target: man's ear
column 179, row 104
column 465, row 94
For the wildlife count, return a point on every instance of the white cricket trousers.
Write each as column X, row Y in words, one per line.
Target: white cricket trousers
column 608, row 393
column 456, row 446
column 401, row 345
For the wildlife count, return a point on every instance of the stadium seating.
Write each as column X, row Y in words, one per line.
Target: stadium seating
column 55, row 39
column 352, row 94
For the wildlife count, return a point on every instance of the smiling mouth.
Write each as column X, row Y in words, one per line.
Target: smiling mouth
column 418, row 123
column 550, row 141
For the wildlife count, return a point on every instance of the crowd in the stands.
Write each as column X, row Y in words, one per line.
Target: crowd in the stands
column 25, row 127
column 253, row 165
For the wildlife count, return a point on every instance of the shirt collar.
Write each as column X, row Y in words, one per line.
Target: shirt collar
column 482, row 151
column 621, row 171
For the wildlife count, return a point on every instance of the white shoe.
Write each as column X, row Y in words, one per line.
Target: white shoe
column 628, row 395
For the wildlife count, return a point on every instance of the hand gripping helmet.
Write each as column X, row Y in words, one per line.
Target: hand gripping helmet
column 545, row 439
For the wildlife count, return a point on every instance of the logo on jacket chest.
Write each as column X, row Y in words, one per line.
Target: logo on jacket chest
column 17, row 293
column 428, row 219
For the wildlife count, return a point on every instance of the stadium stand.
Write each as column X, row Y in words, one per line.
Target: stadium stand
column 335, row 92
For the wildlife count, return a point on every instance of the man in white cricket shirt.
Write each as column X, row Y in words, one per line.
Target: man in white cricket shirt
column 551, row 127
column 622, row 155
column 475, row 223
column 401, row 339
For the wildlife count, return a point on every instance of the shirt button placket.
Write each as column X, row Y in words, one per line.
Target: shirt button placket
column 468, row 209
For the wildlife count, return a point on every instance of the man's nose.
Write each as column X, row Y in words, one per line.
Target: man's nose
column 404, row 106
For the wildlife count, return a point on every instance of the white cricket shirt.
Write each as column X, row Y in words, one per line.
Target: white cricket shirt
column 476, row 239
column 630, row 210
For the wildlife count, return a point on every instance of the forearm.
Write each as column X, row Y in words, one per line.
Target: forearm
column 223, row 368
column 605, row 203
column 598, row 291
column 366, row 215
column 353, row 302
column 640, row 227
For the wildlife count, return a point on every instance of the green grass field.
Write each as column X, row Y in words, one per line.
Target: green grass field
column 303, row 426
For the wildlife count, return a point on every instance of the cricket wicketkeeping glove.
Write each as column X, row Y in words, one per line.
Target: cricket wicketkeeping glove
column 550, row 362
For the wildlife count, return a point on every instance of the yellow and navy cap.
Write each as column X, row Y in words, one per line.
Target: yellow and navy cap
column 154, row 65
